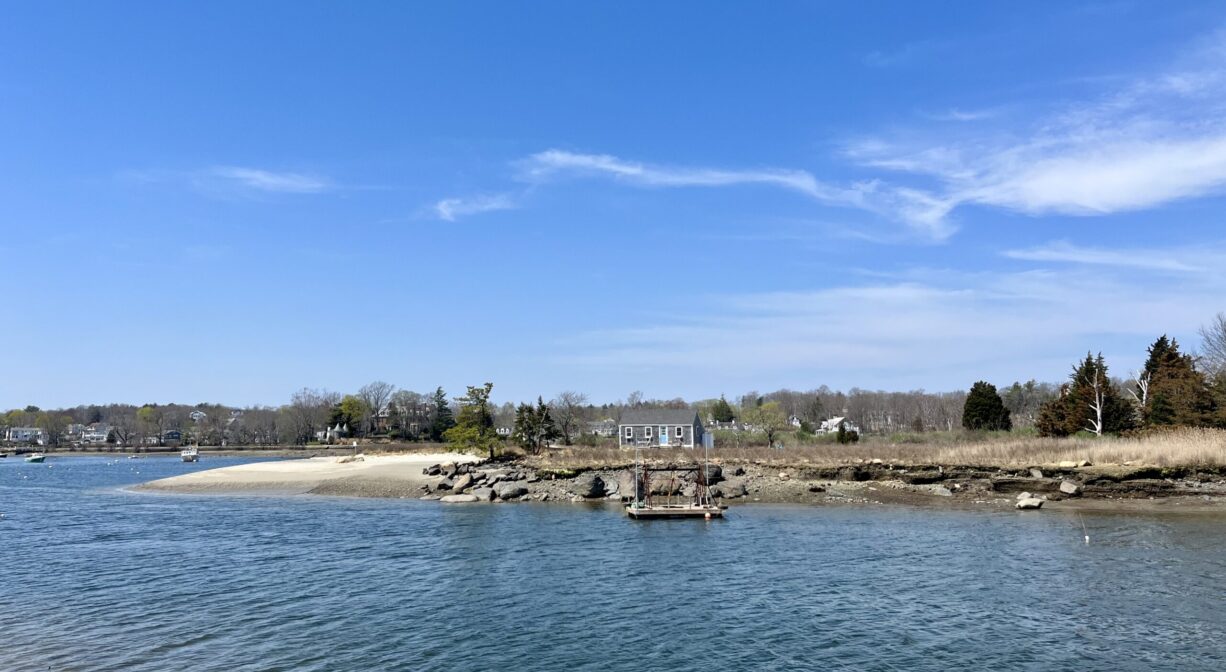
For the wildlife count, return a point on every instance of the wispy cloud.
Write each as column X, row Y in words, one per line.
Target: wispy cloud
column 1146, row 143
column 955, row 114
column 234, row 181
column 906, row 54
column 869, row 334
column 1181, row 261
column 921, row 211
column 1159, row 139
column 449, row 209
column 270, row 181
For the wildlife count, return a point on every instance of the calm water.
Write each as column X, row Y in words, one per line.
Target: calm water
column 94, row 578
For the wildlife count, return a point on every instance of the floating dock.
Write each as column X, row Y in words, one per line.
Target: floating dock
column 657, row 512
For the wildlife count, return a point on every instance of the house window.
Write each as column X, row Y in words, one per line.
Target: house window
column 680, row 432
column 647, row 432
column 629, row 432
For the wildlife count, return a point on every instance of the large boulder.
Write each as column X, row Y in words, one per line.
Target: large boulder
column 1070, row 488
column 432, row 470
column 611, row 486
column 445, row 484
column 715, row 474
column 1024, row 495
column 730, row 489
column 462, row 483
column 448, row 469
column 1028, row 503
column 589, row 485
column 459, row 499
column 1036, row 473
column 483, row 494
column 508, row 490
column 494, row 475
column 625, row 483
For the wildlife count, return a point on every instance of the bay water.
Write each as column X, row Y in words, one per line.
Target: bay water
column 96, row 577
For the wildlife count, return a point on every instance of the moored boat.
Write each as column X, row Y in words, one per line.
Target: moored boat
column 36, row 457
column 190, row 454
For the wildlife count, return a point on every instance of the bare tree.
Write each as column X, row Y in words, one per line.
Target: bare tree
column 376, row 396
column 1096, row 421
column 567, row 410
column 123, row 423
column 1213, row 346
column 308, row 412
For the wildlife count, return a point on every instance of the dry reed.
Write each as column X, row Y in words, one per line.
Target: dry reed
column 1185, row 448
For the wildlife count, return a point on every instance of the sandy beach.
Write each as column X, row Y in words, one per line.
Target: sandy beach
column 369, row 475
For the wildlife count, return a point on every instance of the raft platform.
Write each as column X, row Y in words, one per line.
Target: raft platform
column 657, row 512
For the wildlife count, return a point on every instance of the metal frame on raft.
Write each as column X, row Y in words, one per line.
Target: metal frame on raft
column 701, row 505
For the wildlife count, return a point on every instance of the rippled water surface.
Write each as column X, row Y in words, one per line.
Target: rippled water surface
column 95, row 578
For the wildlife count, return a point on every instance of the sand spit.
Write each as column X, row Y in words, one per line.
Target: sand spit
column 361, row 475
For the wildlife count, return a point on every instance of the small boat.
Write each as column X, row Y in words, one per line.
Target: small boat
column 190, row 454
column 36, row 458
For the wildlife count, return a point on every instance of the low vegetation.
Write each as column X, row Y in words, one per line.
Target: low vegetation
column 1184, row 447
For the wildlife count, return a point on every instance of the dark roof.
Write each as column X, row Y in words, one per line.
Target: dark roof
column 659, row 416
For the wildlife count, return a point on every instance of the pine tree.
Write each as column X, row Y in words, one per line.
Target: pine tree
column 722, row 411
column 534, row 427
column 442, row 419
column 1089, row 402
column 984, row 409
column 474, row 426
column 1175, row 392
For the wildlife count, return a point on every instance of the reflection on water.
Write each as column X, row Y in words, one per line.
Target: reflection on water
column 95, row 578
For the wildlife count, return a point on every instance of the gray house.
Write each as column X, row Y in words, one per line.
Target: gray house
column 659, row 427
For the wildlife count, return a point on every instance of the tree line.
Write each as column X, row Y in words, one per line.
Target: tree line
column 1173, row 389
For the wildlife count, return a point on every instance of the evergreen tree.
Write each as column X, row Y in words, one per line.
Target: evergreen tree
column 1089, row 402
column 984, row 409
column 722, row 411
column 1175, row 393
column 534, row 427
column 474, row 426
column 442, row 418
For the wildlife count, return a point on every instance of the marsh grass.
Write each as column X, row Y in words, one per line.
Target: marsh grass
column 1185, row 447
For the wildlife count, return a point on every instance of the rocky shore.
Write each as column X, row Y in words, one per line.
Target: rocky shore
column 1080, row 485
column 455, row 479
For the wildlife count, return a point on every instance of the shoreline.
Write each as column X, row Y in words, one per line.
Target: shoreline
column 455, row 478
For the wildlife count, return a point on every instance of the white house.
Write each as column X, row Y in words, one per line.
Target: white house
column 25, row 435
column 96, row 434
column 831, row 426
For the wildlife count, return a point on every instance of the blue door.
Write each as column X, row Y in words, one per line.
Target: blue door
column 663, row 435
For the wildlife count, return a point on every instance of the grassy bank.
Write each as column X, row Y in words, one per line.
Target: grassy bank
column 1188, row 447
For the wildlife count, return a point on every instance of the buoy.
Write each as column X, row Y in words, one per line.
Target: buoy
column 707, row 515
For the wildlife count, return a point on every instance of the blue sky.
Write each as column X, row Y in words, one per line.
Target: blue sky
column 232, row 200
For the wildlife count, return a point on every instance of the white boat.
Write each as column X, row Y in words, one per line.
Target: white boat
column 35, row 457
column 190, row 454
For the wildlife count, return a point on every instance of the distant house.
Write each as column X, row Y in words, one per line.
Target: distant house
column 503, row 431
column 25, row 435
column 96, row 434
column 831, row 426
column 172, row 437
column 659, row 427
column 606, row 427
column 198, row 416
